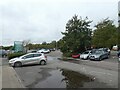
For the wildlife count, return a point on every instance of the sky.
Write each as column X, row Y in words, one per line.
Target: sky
column 44, row 20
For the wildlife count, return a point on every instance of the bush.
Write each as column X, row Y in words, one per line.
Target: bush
column 67, row 54
column 14, row 55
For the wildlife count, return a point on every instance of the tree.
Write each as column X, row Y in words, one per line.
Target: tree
column 118, row 35
column 44, row 43
column 6, row 47
column 105, row 34
column 26, row 44
column 77, row 36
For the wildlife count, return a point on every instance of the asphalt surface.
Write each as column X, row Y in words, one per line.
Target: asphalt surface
column 103, row 74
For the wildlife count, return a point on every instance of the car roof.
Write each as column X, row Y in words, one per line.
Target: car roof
column 34, row 53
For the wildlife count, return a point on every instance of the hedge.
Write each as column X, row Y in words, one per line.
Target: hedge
column 14, row 55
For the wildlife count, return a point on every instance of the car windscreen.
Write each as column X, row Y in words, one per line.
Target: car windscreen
column 86, row 52
column 98, row 52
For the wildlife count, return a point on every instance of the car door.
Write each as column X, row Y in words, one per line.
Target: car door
column 104, row 54
column 37, row 58
column 28, row 59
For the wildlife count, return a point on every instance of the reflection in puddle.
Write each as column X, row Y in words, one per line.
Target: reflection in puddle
column 74, row 79
column 63, row 78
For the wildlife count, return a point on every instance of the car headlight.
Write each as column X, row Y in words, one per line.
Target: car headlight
column 96, row 56
column 11, row 60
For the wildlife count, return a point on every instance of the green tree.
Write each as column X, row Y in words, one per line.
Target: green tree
column 77, row 36
column 105, row 34
column 118, row 35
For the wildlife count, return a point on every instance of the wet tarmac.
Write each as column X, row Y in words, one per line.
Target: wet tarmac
column 62, row 78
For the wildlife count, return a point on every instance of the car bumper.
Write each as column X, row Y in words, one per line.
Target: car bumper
column 94, row 58
column 11, row 64
column 83, row 58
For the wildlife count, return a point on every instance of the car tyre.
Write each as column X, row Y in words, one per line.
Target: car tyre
column 43, row 62
column 100, row 58
column 18, row 64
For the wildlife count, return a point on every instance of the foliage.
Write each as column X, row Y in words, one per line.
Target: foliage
column 14, row 55
column 7, row 47
column 77, row 36
column 43, row 45
column 118, row 35
column 105, row 34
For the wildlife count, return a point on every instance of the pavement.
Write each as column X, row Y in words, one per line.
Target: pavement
column 9, row 78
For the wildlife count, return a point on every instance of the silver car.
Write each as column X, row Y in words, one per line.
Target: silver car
column 30, row 58
column 85, row 55
column 99, row 55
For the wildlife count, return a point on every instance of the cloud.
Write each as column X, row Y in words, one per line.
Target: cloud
column 43, row 20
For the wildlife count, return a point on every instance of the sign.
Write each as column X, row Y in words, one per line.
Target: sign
column 18, row 46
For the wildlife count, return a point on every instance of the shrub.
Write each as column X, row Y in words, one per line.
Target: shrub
column 67, row 54
column 14, row 55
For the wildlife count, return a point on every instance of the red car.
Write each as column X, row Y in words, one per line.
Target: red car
column 76, row 56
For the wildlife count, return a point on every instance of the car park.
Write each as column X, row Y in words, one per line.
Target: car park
column 99, row 55
column 30, row 58
column 85, row 55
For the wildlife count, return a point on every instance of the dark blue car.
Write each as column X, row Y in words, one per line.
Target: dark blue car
column 118, row 53
column 3, row 53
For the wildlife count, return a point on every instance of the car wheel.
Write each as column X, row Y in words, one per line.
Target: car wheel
column 108, row 56
column 100, row 58
column 43, row 62
column 87, row 58
column 18, row 64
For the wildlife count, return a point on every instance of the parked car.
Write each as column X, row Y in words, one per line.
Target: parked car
column 31, row 51
column 43, row 51
column 30, row 58
column 99, row 55
column 52, row 49
column 105, row 49
column 75, row 55
column 3, row 53
column 118, row 54
column 85, row 55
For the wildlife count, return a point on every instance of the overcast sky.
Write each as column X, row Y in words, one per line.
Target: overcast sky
column 44, row 20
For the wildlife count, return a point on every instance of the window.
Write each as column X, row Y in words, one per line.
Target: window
column 37, row 55
column 86, row 52
column 28, row 56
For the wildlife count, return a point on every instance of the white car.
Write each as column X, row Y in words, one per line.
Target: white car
column 85, row 55
column 43, row 51
column 30, row 58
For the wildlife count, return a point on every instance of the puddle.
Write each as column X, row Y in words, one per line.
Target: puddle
column 60, row 78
